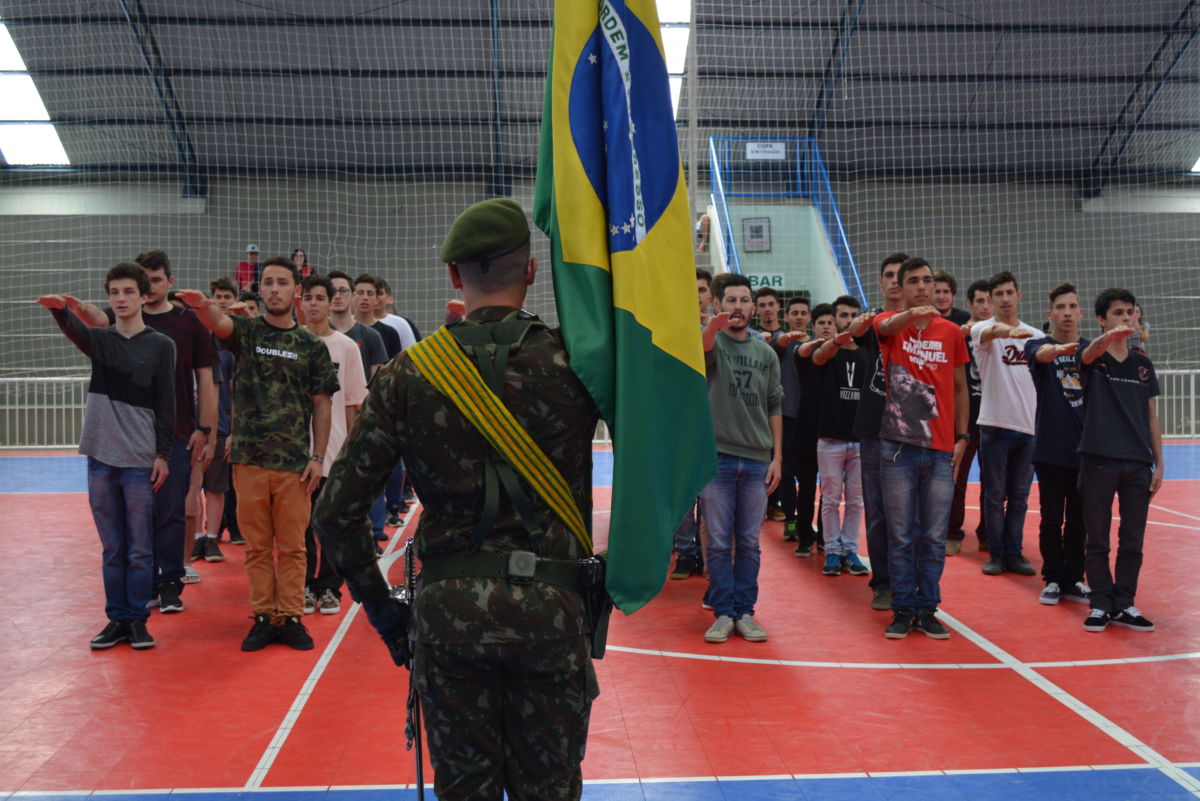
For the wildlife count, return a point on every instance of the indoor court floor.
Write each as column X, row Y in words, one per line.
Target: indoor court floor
column 1020, row 703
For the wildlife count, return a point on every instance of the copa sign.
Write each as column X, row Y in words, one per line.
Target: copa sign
column 773, row 280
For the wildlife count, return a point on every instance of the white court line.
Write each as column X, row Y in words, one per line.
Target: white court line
column 301, row 700
column 1125, row 738
column 1173, row 512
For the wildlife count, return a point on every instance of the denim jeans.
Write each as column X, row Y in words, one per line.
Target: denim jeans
column 918, row 485
column 840, row 464
column 687, row 536
column 877, row 533
column 169, row 520
column 395, row 486
column 122, row 504
column 1006, row 463
column 734, row 503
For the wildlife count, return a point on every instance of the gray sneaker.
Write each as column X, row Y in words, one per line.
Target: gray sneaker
column 749, row 630
column 1050, row 594
column 190, row 576
column 329, row 603
column 881, row 599
column 720, row 630
column 310, row 601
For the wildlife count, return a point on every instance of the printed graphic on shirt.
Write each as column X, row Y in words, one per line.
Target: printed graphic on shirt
column 910, row 408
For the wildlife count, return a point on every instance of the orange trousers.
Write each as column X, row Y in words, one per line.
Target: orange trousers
column 273, row 510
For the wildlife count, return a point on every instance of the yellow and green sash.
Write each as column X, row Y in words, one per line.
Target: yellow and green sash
column 443, row 363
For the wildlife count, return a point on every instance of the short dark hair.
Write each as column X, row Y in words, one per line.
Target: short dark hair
column 892, row 258
column 1001, row 278
column 1110, row 296
column 847, row 300
column 382, row 286
column 300, row 250
column 224, row 282
column 1065, row 288
column 126, row 270
column 823, row 309
column 764, row 291
column 910, row 264
column 943, row 277
column 979, row 285
column 248, row 295
column 280, row 261
column 499, row 274
column 730, row 279
column 366, row 278
column 318, row 280
column 332, row 274
column 799, row 299
column 704, row 275
column 154, row 260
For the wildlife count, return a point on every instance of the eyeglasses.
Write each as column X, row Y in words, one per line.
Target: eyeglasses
column 342, row 291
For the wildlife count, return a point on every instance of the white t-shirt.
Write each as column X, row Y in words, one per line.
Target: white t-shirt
column 346, row 360
column 1009, row 399
column 407, row 338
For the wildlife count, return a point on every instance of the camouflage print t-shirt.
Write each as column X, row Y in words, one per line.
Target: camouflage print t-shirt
column 277, row 371
column 445, row 457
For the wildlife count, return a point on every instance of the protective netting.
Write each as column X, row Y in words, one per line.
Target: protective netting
column 1044, row 138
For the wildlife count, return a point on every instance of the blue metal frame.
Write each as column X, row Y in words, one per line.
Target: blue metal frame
column 809, row 180
column 833, row 67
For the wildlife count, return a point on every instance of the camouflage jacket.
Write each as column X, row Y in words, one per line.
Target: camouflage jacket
column 404, row 416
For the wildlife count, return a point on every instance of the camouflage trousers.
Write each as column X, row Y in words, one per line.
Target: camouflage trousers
column 506, row 718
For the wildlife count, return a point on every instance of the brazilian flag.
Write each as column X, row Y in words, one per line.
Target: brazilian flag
column 611, row 197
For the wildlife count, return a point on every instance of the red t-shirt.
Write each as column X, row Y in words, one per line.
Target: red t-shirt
column 919, row 369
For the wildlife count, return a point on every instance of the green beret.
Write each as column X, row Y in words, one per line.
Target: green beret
column 486, row 231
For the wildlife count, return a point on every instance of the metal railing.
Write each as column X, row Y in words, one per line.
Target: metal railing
column 48, row 412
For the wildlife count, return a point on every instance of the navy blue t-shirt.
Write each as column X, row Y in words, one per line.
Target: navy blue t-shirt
column 1058, row 424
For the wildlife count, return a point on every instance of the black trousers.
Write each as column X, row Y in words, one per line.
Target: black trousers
column 1099, row 480
column 798, row 486
column 1061, row 535
column 319, row 574
column 958, row 506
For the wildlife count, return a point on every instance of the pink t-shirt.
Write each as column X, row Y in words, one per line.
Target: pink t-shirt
column 919, row 369
column 348, row 363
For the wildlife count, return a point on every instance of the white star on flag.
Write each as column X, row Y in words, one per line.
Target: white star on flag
column 613, row 230
column 626, row 228
column 592, row 58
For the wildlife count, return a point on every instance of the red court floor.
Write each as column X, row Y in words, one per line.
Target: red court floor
column 1018, row 687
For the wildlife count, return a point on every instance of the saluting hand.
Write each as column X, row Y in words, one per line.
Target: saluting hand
column 193, row 298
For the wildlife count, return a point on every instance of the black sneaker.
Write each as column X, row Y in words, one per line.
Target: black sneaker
column 1131, row 618
column 212, row 551
column 994, row 566
column 236, row 538
column 901, row 625
column 293, row 633
column 930, row 626
column 262, row 634
column 1097, row 620
column 138, row 636
column 394, row 520
column 116, row 631
column 790, row 531
column 1015, row 563
column 198, row 549
column 169, row 601
column 685, row 567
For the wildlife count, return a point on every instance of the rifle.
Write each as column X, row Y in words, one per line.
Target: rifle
column 412, row 719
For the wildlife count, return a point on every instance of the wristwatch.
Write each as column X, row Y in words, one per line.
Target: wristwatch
column 962, row 437
column 205, row 430
column 316, row 457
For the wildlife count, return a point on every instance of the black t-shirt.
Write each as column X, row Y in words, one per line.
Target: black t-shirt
column 1059, row 421
column 391, row 339
column 809, row 408
column 870, row 403
column 958, row 316
column 841, row 380
column 1116, row 407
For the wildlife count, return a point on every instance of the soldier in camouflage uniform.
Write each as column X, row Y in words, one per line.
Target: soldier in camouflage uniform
column 503, row 668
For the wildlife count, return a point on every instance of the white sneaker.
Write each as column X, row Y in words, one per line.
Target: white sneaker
column 720, row 630
column 750, row 630
column 190, row 576
column 1050, row 594
column 310, row 601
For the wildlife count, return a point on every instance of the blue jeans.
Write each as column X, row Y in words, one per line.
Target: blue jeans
column 872, row 493
column 840, row 463
column 395, row 486
column 169, row 520
column 687, row 541
column 918, row 486
column 1006, row 462
column 734, row 504
column 123, row 507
